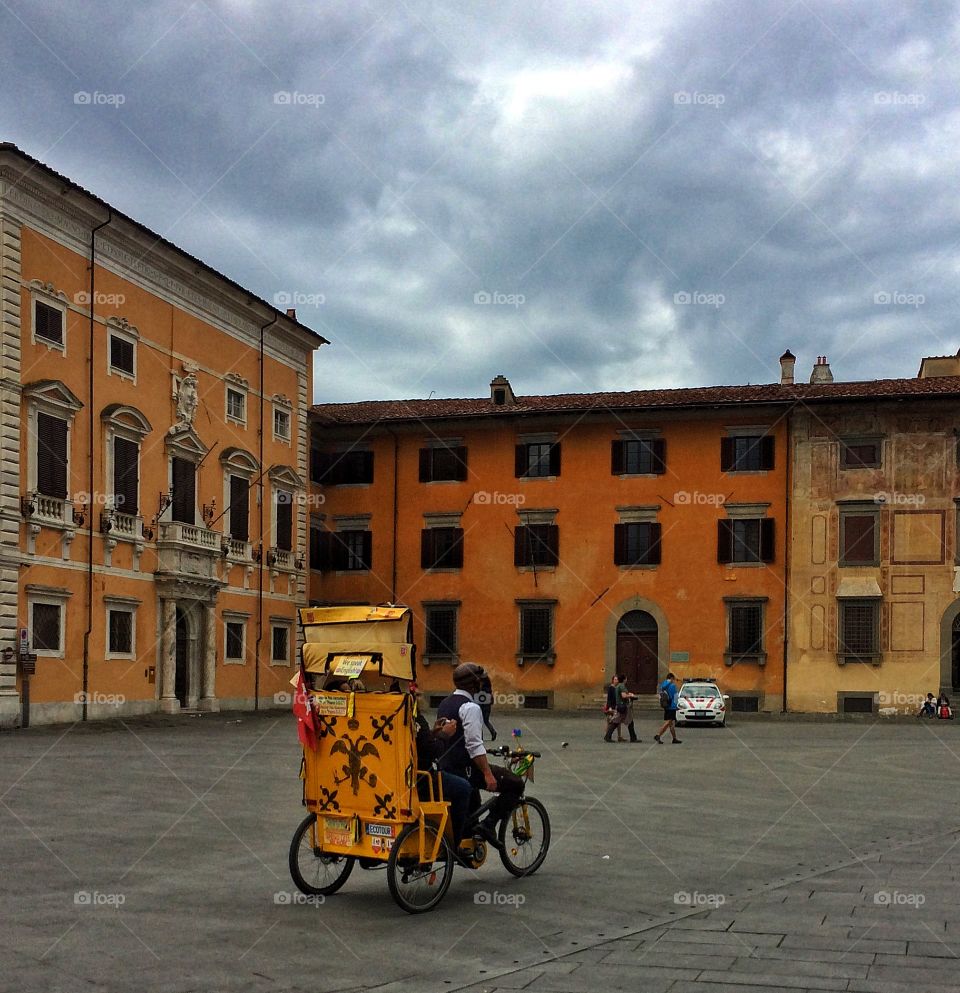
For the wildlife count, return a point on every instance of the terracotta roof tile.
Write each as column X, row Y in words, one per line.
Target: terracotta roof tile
column 374, row 411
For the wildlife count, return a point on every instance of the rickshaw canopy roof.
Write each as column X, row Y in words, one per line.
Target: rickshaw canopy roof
column 383, row 631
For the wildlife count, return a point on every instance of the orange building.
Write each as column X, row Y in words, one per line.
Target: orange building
column 559, row 539
column 152, row 499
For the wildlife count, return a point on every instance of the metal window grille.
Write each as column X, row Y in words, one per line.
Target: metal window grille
column 746, row 629
column 234, row 647
column 441, row 631
column 279, row 644
column 536, row 630
column 46, row 627
column 121, row 632
column 859, row 621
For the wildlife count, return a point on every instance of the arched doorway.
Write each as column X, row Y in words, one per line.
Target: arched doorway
column 637, row 650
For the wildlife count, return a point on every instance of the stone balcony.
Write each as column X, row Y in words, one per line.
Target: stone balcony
column 188, row 550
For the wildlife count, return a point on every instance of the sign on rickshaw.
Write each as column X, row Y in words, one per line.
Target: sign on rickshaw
column 369, row 804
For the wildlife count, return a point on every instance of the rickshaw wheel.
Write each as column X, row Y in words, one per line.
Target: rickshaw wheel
column 418, row 886
column 524, row 837
column 313, row 871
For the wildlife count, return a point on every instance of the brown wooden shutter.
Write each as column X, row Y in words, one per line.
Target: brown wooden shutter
column 284, row 520
column 520, row 461
column 125, row 475
column 521, row 545
column 456, row 550
column 658, row 452
column 616, row 460
column 767, row 449
column 552, row 540
column 338, row 551
column 768, row 550
column 367, row 548
column 184, row 474
column 727, row 452
column 724, row 541
column 653, row 556
column 49, row 324
column 461, row 456
column 858, row 538
column 619, row 539
column 51, row 456
column 426, row 467
column 555, row 459
column 428, row 554
column 239, row 508
column 366, row 471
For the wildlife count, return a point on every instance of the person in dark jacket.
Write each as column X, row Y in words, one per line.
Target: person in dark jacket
column 431, row 743
column 485, row 700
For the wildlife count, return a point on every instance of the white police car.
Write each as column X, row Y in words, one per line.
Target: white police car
column 701, row 702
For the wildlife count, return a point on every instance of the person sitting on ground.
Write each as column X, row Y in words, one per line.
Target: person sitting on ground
column 944, row 711
column 929, row 708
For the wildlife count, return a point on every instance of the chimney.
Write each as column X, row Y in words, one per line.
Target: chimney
column 821, row 371
column 292, row 313
column 787, row 361
column 501, row 393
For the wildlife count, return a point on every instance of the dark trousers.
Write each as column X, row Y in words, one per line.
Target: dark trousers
column 459, row 792
column 509, row 789
column 485, row 709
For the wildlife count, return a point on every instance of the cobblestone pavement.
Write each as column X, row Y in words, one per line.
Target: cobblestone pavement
column 779, row 855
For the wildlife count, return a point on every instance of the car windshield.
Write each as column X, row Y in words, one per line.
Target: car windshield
column 707, row 691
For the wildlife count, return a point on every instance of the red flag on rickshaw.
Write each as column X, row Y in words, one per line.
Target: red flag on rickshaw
column 306, row 726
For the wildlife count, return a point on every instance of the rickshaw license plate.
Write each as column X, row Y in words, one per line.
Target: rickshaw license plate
column 380, row 830
column 338, row 831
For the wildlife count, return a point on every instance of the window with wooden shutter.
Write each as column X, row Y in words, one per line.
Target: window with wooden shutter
column 184, row 475
column 346, row 468
column 352, row 550
column 284, row 536
column 638, row 457
column 637, row 543
column 859, row 454
column 121, row 354
column 537, row 460
column 858, row 538
column 441, row 548
column 239, row 508
column 51, row 456
column 48, row 323
column 441, row 463
column 316, row 546
column 126, row 475
column 747, row 453
column 724, row 541
column 536, row 545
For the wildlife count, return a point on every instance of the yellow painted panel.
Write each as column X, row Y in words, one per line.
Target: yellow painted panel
column 906, row 626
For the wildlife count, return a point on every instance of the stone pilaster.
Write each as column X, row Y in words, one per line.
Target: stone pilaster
column 208, row 700
column 303, row 507
column 169, row 704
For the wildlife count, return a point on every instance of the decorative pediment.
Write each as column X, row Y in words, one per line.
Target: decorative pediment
column 236, row 380
column 239, row 460
column 186, row 443
column 282, row 401
column 119, row 415
column 53, row 393
column 285, row 475
column 122, row 325
column 49, row 290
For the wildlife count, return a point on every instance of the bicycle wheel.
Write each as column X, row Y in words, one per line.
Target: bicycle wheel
column 524, row 837
column 313, row 871
column 418, row 886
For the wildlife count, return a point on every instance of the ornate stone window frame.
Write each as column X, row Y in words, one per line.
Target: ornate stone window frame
column 284, row 478
column 237, row 462
column 237, row 617
column 119, row 327
column 122, row 421
column 287, row 624
column 184, row 443
column 234, row 383
column 47, row 293
column 55, row 596
column 282, row 404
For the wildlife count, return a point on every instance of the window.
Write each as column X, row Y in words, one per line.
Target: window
column 281, row 424
column 859, row 630
column 236, row 405
column 48, row 323
column 280, row 637
column 51, row 456
column 746, row 453
column 443, row 463
column 120, row 634
column 638, row 456
column 317, row 541
column 239, row 508
column 745, row 632
column 284, row 532
column 536, row 460
column 636, row 543
column 536, row 631
column 126, row 476
column 744, row 704
column 344, row 468
column 859, row 454
column 46, row 628
column 441, row 548
column 536, row 545
column 745, row 540
column 183, row 475
column 441, row 631
column 859, row 537
column 316, row 465
column 233, row 648
column 122, row 355
column 352, row 551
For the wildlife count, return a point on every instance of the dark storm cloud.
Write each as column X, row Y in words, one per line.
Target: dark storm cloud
column 583, row 197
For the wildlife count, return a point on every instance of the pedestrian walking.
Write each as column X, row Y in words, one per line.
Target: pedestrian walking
column 485, row 700
column 627, row 698
column 668, row 700
column 614, row 720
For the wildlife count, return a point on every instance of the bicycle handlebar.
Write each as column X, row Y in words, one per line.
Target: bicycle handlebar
column 505, row 752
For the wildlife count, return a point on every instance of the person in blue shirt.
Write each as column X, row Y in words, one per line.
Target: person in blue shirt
column 668, row 692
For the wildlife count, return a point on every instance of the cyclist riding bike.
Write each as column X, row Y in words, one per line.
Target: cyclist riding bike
column 466, row 754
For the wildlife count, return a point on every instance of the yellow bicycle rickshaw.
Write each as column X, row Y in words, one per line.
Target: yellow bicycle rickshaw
column 368, row 803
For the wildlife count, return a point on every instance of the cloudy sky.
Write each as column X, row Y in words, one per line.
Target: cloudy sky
column 582, row 196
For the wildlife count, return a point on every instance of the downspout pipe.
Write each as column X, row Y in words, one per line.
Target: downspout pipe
column 396, row 506
column 788, row 541
column 91, row 421
column 263, row 551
